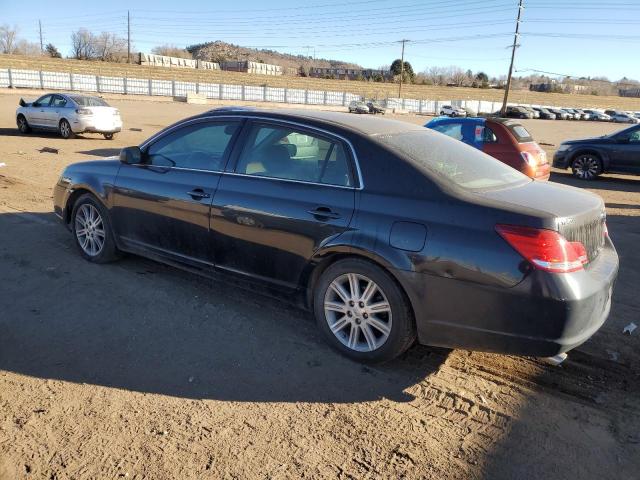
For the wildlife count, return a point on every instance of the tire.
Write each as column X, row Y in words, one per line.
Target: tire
column 23, row 125
column 89, row 213
column 442, row 113
column 109, row 136
column 64, row 127
column 362, row 335
column 586, row 166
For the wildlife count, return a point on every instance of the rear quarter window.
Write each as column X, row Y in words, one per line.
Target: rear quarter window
column 522, row 134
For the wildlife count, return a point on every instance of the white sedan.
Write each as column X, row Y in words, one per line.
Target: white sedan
column 451, row 111
column 69, row 114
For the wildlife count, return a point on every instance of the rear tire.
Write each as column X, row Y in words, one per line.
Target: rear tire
column 92, row 230
column 64, row 127
column 23, row 125
column 109, row 136
column 362, row 311
column 586, row 166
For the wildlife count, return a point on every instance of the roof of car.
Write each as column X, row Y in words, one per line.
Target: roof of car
column 368, row 125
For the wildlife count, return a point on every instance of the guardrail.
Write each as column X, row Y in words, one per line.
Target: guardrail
column 38, row 79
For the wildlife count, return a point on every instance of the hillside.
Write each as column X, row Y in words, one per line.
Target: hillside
column 219, row 51
column 367, row 89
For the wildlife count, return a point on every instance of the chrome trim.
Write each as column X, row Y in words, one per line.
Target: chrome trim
column 291, row 180
column 270, row 119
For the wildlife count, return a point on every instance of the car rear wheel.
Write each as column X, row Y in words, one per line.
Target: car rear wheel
column 109, row 136
column 362, row 312
column 586, row 166
column 23, row 125
column 92, row 230
column 65, row 129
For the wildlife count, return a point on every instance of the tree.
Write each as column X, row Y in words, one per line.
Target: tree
column 396, row 68
column 8, row 39
column 482, row 77
column 457, row 76
column 171, row 51
column 83, row 45
column 52, row 51
column 108, row 47
column 24, row 47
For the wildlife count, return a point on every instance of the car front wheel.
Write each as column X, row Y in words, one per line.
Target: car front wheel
column 362, row 312
column 586, row 166
column 92, row 230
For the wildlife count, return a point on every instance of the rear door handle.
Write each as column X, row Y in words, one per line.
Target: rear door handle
column 198, row 193
column 324, row 212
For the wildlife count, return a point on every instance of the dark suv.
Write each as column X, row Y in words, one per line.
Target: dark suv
column 618, row 152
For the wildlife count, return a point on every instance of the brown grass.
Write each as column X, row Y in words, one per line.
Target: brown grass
column 368, row 89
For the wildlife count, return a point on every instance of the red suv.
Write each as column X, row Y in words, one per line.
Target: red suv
column 505, row 139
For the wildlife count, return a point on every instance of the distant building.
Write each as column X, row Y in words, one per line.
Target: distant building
column 557, row 87
column 343, row 73
column 629, row 92
column 252, row 67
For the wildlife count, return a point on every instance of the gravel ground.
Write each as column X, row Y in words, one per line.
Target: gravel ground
column 142, row 371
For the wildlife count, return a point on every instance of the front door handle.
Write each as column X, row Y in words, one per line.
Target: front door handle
column 324, row 212
column 198, row 194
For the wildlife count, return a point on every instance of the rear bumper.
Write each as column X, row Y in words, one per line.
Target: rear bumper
column 91, row 126
column 544, row 315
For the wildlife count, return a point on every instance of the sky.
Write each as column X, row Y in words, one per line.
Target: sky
column 568, row 37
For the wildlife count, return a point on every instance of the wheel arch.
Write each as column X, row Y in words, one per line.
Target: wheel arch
column 73, row 198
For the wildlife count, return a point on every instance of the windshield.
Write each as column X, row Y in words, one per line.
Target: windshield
column 452, row 161
column 89, row 101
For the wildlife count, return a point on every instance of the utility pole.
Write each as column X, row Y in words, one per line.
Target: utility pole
column 40, row 29
column 128, row 37
column 403, row 41
column 513, row 56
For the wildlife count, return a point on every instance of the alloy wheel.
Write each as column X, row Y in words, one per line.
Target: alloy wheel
column 89, row 229
column 358, row 312
column 586, row 167
column 22, row 124
column 65, row 129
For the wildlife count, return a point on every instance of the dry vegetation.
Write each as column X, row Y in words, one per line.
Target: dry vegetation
column 368, row 89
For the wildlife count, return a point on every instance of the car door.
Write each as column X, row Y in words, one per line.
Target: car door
column 289, row 191
column 36, row 113
column 626, row 151
column 162, row 206
column 52, row 114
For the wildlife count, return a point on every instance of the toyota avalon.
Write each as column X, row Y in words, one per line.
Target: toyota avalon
column 388, row 232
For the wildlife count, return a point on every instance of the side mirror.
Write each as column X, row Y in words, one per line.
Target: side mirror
column 131, row 155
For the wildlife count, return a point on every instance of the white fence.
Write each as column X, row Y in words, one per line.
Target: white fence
column 17, row 78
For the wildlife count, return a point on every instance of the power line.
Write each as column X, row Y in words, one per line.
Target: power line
column 513, row 56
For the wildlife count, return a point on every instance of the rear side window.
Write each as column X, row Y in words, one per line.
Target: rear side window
column 58, row 101
column 200, row 146
column 452, row 162
column 521, row 133
column 89, row 101
column 489, row 136
column 281, row 152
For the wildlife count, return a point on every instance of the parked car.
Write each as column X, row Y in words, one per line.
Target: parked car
column 506, row 140
column 571, row 114
column 559, row 113
column 618, row 152
column 381, row 233
column 583, row 115
column 452, row 111
column 375, row 108
column 636, row 114
column 533, row 111
column 517, row 112
column 358, row 107
column 611, row 113
column 598, row 115
column 623, row 117
column 545, row 114
column 69, row 114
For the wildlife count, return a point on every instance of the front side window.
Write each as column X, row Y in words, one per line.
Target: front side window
column 43, row 101
column 293, row 154
column 635, row 136
column 200, row 146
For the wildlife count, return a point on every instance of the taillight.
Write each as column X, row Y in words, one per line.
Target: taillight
column 529, row 159
column 84, row 111
column 546, row 249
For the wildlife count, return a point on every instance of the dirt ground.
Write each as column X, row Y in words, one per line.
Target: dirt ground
column 136, row 370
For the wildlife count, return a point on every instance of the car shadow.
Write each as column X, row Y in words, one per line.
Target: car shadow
column 605, row 182
column 102, row 152
column 141, row 326
column 14, row 132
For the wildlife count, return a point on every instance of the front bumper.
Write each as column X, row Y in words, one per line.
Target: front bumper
column 544, row 315
column 561, row 159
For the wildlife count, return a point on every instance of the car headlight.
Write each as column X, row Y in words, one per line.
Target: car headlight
column 563, row 147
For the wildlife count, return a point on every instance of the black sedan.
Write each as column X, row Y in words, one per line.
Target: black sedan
column 618, row 152
column 387, row 231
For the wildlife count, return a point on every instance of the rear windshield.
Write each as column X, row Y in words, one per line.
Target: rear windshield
column 451, row 161
column 521, row 133
column 89, row 101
